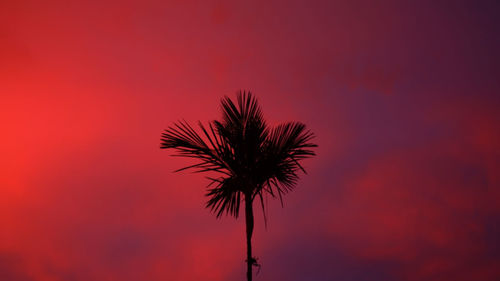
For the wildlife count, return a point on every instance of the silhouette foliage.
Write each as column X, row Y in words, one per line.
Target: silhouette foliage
column 248, row 158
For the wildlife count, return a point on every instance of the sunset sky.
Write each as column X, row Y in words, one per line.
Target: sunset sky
column 403, row 97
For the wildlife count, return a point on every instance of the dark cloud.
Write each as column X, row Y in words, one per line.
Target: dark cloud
column 12, row 268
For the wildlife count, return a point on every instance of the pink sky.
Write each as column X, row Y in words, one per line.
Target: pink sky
column 403, row 99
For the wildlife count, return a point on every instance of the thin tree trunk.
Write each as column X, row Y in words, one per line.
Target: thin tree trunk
column 249, row 223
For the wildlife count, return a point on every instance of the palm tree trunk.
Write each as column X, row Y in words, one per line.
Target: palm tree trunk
column 249, row 223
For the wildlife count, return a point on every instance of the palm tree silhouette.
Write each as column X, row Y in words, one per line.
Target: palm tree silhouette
column 246, row 159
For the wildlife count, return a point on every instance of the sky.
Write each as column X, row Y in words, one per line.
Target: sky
column 402, row 96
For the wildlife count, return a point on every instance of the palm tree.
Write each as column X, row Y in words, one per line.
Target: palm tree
column 245, row 158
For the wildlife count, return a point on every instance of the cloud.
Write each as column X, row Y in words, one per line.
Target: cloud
column 402, row 98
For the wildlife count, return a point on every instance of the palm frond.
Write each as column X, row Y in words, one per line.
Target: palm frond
column 224, row 197
column 286, row 146
column 188, row 143
column 244, row 128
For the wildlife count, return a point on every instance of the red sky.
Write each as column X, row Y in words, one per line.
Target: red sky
column 402, row 96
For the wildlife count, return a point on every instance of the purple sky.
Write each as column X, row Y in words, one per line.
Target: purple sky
column 403, row 97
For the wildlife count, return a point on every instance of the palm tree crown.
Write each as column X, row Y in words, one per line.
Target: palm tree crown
column 247, row 157
column 250, row 157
